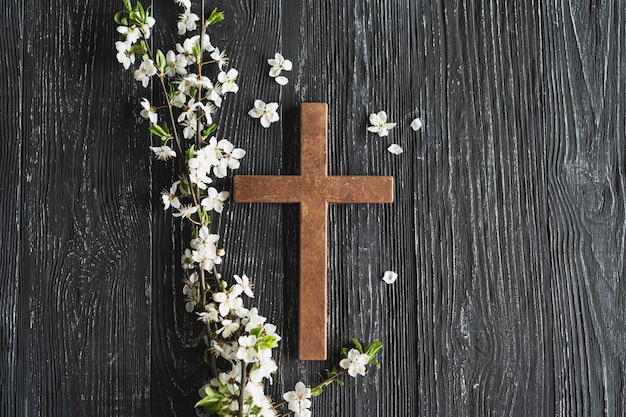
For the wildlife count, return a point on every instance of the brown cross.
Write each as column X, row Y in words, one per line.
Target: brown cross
column 313, row 189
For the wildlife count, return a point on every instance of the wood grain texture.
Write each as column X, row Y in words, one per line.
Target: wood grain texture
column 83, row 326
column 11, row 45
column 508, row 231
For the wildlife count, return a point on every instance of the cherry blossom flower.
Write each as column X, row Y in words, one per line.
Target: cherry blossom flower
column 379, row 124
column 131, row 33
column 416, row 124
column 231, row 154
column 278, row 64
column 220, row 58
column 228, row 327
column 253, row 319
column 266, row 112
column 227, row 80
column 245, row 284
column 170, row 198
column 185, row 211
column 187, row 22
column 145, row 71
column 215, row 200
column 145, row 28
column 299, row 400
column 163, row 153
column 395, row 149
column 124, row 55
column 355, row 363
column 187, row 260
column 198, row 80
column 247, row 351
column 228, row 303
column 149, row 112
column 175, row 64
column 390, row 277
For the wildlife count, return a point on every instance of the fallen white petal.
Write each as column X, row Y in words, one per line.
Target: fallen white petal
column 390, row 277
column 281, row 80
column 395, row 149
column 416, row 124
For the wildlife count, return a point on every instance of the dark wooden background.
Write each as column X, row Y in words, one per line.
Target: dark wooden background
column 507, row 232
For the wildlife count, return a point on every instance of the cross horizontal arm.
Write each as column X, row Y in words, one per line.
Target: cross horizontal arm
column 267, row 189
column 359, row 189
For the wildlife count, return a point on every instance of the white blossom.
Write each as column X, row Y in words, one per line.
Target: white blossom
column 228, row 328
column 187, row 22
column 149, row 112
column 170, row 198
column 145, row 28
column 282, row 80
column 220, row 58
column 186, row 259
column 131, row 33
column 215, row 200
column 299, row 400
column 379, row 124
column 253, row 319
column 186, row 211
column 266, row 112
column 145, row 71
column 355, row 363
column 231, row 154
column 395, row 149
column 227, row 80
column 278, row 64
column 247, row 351
column 176, row 64
column 245, row 284
column 163, row 153
column 124, row 55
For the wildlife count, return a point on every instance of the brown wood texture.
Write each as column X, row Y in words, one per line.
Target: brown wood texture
column 507, row 233
column 313, row 189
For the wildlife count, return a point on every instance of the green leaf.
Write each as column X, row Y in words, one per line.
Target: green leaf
column 161, row 62
column 142, row 12
column 190, row 153
column 212, row 397
column 127, row 5
column 267, row 342
column 344, row 352
column 139, row 48
column 257, row 332
column 373, row 349
column 316, row 391
column 196, row 51
column 158, row 130
column 341, row 383
column 120, row 18
column 358, row 345
column 215, row 17
column 209, row 130
column 204, row 216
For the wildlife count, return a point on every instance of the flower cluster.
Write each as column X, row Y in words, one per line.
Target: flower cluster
column 239, row 340
column 380, row 126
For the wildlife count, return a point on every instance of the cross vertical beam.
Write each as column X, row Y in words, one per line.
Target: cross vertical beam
column 313, row 189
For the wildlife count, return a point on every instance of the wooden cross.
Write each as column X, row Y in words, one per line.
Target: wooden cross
column 313, row 189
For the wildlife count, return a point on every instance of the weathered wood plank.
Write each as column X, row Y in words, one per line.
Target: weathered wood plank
column 11, row 44
column 585, row 164
column 84, row 318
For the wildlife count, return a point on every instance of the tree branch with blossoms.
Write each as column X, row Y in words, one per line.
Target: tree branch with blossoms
column 239, row 340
